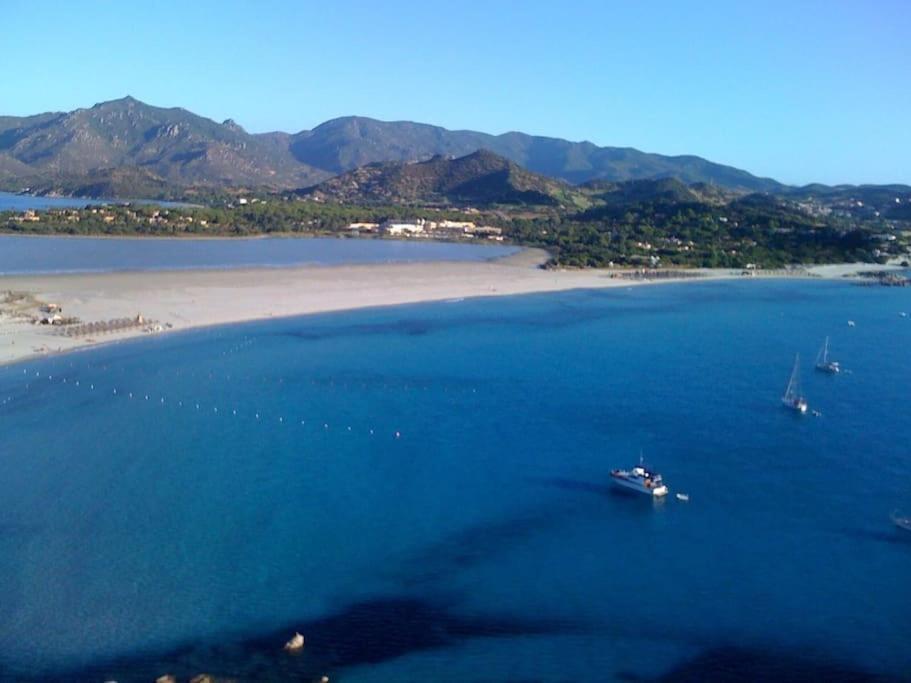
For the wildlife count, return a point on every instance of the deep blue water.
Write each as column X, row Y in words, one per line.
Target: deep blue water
column 141, row 536
column 86, row 254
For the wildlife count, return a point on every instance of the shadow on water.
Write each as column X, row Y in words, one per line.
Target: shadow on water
column 466, row 548
column 728, row 664
column 578, row 485
column 365, row 633
column 893, row 536
column 606, row 491
column 435, row 564
column 559, row 316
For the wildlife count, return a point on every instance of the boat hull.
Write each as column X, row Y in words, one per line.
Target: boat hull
column 797, row 406
column 655, row 492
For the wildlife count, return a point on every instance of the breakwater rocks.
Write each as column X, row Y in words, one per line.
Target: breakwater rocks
column 883, row 278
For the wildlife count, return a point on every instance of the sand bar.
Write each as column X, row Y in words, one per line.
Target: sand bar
column 180, row 300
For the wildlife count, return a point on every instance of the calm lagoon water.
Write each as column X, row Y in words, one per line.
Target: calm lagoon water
column 20, row 255
column 423, row 492
column 21, row 202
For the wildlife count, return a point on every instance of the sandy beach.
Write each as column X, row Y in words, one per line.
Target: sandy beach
column 180, row 300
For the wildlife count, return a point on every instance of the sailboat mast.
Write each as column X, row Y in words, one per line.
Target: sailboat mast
column 794, row 383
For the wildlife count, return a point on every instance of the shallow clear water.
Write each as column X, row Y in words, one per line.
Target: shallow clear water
column 20, row 255
column 484, row 542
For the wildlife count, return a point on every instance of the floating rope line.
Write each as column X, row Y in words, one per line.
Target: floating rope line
column 330, row 384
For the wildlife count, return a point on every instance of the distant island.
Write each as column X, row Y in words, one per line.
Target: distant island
column 587, row 206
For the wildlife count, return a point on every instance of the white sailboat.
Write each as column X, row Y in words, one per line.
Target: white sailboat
column 823, row 364
column 792, row 398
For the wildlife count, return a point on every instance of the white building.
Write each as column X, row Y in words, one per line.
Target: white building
column 403, row 228
column 457, row 225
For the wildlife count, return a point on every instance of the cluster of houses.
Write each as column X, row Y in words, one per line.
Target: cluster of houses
column 70, row 215
column 106, row 215
column 424, row 228
column 28, row 216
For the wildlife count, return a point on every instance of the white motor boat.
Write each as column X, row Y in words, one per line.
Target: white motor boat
column 640, row 479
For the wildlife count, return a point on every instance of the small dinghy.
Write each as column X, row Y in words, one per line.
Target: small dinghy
column 683, row 496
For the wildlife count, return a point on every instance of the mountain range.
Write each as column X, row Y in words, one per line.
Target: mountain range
column 126, row 147
column 483, row 178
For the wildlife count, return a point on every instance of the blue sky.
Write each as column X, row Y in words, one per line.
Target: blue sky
column 800, row 91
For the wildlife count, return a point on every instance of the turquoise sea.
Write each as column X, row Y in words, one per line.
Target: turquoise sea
column 423, row 492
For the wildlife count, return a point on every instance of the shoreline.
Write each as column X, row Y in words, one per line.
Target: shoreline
column 234, row 237
column 176, row 300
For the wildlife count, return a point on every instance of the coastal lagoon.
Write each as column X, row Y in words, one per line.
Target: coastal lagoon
column 28, row 255
column 23, row 202
column 423, row 491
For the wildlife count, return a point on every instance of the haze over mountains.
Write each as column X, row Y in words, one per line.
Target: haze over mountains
column 127, row 147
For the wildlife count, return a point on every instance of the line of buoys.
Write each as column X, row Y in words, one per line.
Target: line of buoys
column 115, row 391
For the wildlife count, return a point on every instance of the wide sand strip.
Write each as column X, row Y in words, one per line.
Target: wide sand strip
column 177, row 300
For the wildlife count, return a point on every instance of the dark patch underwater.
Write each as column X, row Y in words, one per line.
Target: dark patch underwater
column 365, row 633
